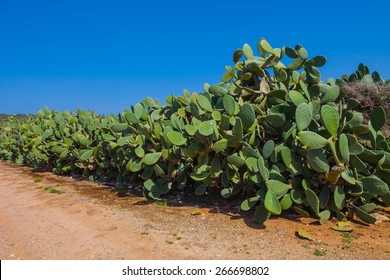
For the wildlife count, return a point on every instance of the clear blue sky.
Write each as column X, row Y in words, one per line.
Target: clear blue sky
column 108, row 55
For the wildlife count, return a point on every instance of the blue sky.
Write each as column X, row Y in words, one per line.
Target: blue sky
column 108, row 55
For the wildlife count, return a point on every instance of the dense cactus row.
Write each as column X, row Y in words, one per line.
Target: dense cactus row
column 362, row 74
column 269, row 132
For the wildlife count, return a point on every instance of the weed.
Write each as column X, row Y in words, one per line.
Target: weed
column 169, row 242
column 52, row 190
column 38, row 180
column 349, row 237
column 161, row 203
column 55, row 191
column 319, row 253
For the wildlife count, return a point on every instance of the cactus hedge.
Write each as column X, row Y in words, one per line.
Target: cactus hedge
column 271, row 132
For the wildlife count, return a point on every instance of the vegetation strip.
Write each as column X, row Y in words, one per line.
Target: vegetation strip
column 281, row 141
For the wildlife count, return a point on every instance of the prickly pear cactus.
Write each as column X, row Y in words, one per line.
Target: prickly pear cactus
column 272, row 133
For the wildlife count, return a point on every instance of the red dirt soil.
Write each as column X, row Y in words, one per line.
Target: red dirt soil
column 89, row 221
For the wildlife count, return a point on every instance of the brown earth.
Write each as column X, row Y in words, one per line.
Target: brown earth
column 89, row 221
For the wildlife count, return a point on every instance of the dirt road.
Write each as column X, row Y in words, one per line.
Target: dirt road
column 63, row 218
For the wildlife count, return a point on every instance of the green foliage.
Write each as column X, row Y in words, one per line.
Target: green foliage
column 362, row 74
column 272, row 133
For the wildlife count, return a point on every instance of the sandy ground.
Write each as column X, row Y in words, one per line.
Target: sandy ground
column 89, row 221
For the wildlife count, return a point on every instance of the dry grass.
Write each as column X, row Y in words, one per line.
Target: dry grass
column 370, row 96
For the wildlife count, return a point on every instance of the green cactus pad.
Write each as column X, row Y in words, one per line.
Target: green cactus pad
column 120, row 127
column 378, row 118
column 330, row 119
column 277, row 187
column 265, row 46
column 348, row 176
column 131, row 118
column 291, row 53
column 249, row 203
column 297, row 97
column 286, row 202
column 252, row 164
column 276, row 120
column 264, row 172
column 303, row 116
column 247, row 51
column 228, row 76
column 373, row 185
column 206, row 128
column 86, row 155
column 237, row 55
column 226, row 192
column 343, row 148
column 339, row 197
column 318, row 60
column 176, row 138
column 136, row 166
column 363, row 215
column 369, row 207
column 152, row 158
column 272, row 204
column 200, row 190
column 324, row 197
column 286, row 156
column 236, row 160
column 247, row 116
column 301, row 212
column 268, row 148
column 261, row 214
column 191, row 129
column 318, row 161
column 217, row 90
column 204, row 103
column 313, row 201
column 324, row 216
column 139, row 151
column 220, row 145
column 331, row 94
column 296, row 64
column 311, row 139
column 229, row 104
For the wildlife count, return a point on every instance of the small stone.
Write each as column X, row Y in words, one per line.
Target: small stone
column 218, row 255
column 380, row 218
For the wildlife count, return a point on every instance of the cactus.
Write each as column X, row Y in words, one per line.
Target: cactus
column 284, row 142
column 303, row 116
